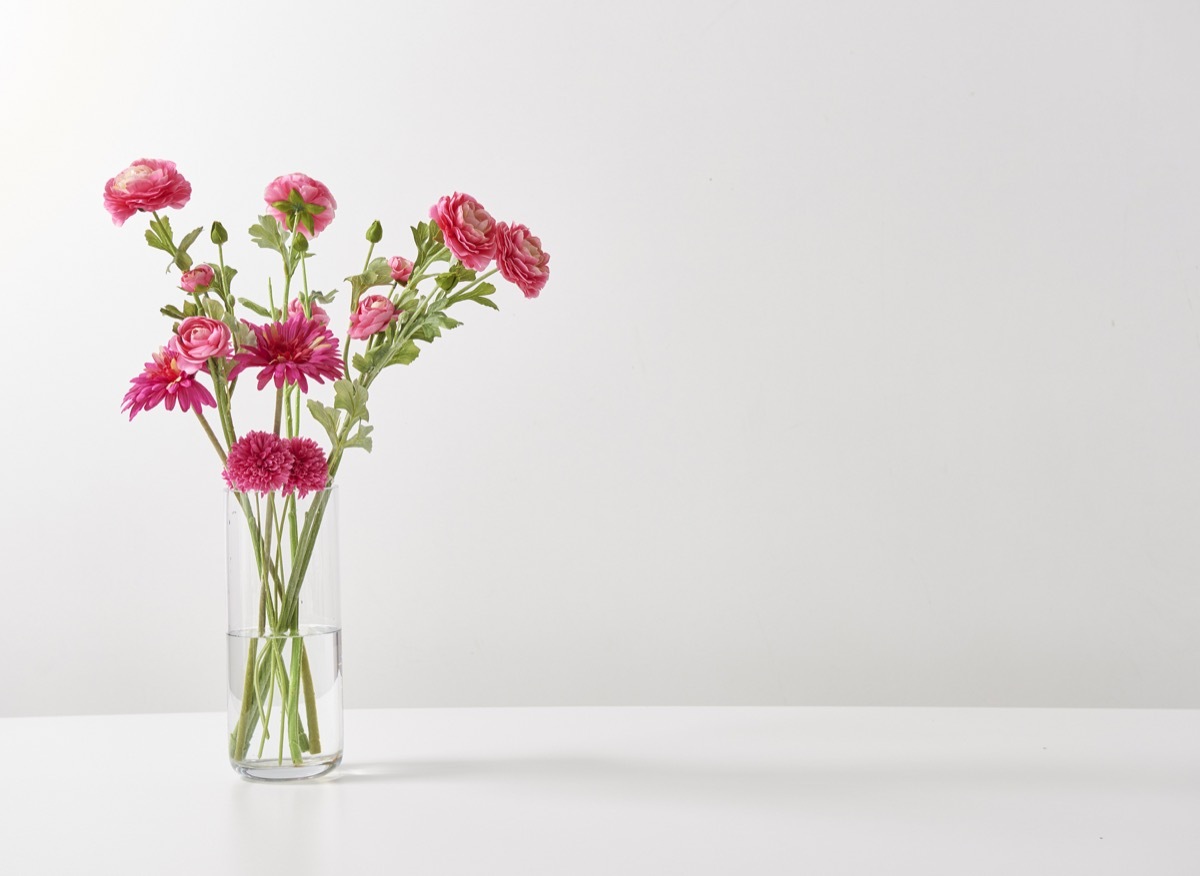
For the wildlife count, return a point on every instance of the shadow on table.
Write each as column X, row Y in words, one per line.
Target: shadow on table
column 772, row 784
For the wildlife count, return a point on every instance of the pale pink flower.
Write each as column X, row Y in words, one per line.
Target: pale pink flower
column 201, row 339
column 374, row 314
column 520, row 258
column 468, row 229
column 318, row 312
column 258, row 462
column 402, row 269
column 310, row 470
column 167, row 378
column 199, row 277
column 148, row 184
column 291, row 351
column 312, row 215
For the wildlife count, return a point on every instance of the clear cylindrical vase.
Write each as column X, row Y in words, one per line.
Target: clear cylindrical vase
column 285, row 635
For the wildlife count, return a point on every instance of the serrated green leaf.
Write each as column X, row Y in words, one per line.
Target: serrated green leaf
column 257, row 308
column 171, row 311
column 406, row 354
column 362, row 438
column 486, row 302
column 326, row 416
column 190, row 309
column 378, row 273
column 351, row 397
column 153, row 239
column 214, row 309
column 444, row 321
column 267, row 234
column 427, row 331
column 324, row 297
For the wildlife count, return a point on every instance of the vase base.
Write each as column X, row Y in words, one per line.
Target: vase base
column 273, row 771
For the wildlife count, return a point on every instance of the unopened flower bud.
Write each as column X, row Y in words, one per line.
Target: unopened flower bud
column 375, row 232
column 219, row 235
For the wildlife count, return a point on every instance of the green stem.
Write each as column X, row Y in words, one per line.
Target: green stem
column 209, row 432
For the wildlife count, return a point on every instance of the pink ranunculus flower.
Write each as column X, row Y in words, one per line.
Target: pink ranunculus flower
column 402, row 269
column 317, row 208
column 520, row 258
column 319, row 314
column 146, row 185
column 201, row 339
column 374, row 314
column 468, row 229
column 199, row 277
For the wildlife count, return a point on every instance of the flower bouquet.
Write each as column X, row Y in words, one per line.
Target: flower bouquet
column 285, row 646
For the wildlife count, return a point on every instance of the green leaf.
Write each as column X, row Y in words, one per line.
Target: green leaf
column 324, row 297
column 221, row 284
column 190, row 309
column 257, row 308
column 362, row 438
column 164, row 228
column 486, row 302
column 266, row 234
column 214, row 309
column 378, row 273
column 183, row 261
column 406, row 354
column 446, row 281
column 189, row 239
column 351, row 397
column 369, row 360
column 172, row 311
column 444, row 321
column 427, row 331
column 326, row 416
column 155, row 241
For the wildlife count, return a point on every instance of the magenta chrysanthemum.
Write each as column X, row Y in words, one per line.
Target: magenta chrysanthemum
column 291, row 351
column 258, row 462
column 309, row 470
column 166, row 378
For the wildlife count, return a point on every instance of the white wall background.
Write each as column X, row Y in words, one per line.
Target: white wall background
column 868, row 372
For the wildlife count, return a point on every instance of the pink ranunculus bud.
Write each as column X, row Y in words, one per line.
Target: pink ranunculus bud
column 315, row 211
column 201, row 339
column 520, row 258
column 402, row 269
column 319, row 314
column 146, row 185
column 468, row 229
column 374, row 314
column 198, row 278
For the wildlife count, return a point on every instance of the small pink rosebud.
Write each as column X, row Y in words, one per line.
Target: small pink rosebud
column 374, row 314
column 197, row 279
column 402, row 269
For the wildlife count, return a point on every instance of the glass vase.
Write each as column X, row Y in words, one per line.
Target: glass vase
column 285, row 635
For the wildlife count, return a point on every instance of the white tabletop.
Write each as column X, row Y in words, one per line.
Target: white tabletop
column 619, row 791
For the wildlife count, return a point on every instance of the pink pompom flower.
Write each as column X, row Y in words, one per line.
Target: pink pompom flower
column 148, row 184
column 198, row 278
column 468, row 229
column 374, row 314
column 310, row 469
column 402, row 269
column 291, row 351
column 201, row 339
column 258, row 462
column 300, row 202
column 319, row 313
column 520, row 258
column 167, row 378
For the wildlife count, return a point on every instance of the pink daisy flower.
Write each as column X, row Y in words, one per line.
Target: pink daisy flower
column 309, row 470
column 258, row 462
column 291, row 351
column 166, row 378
